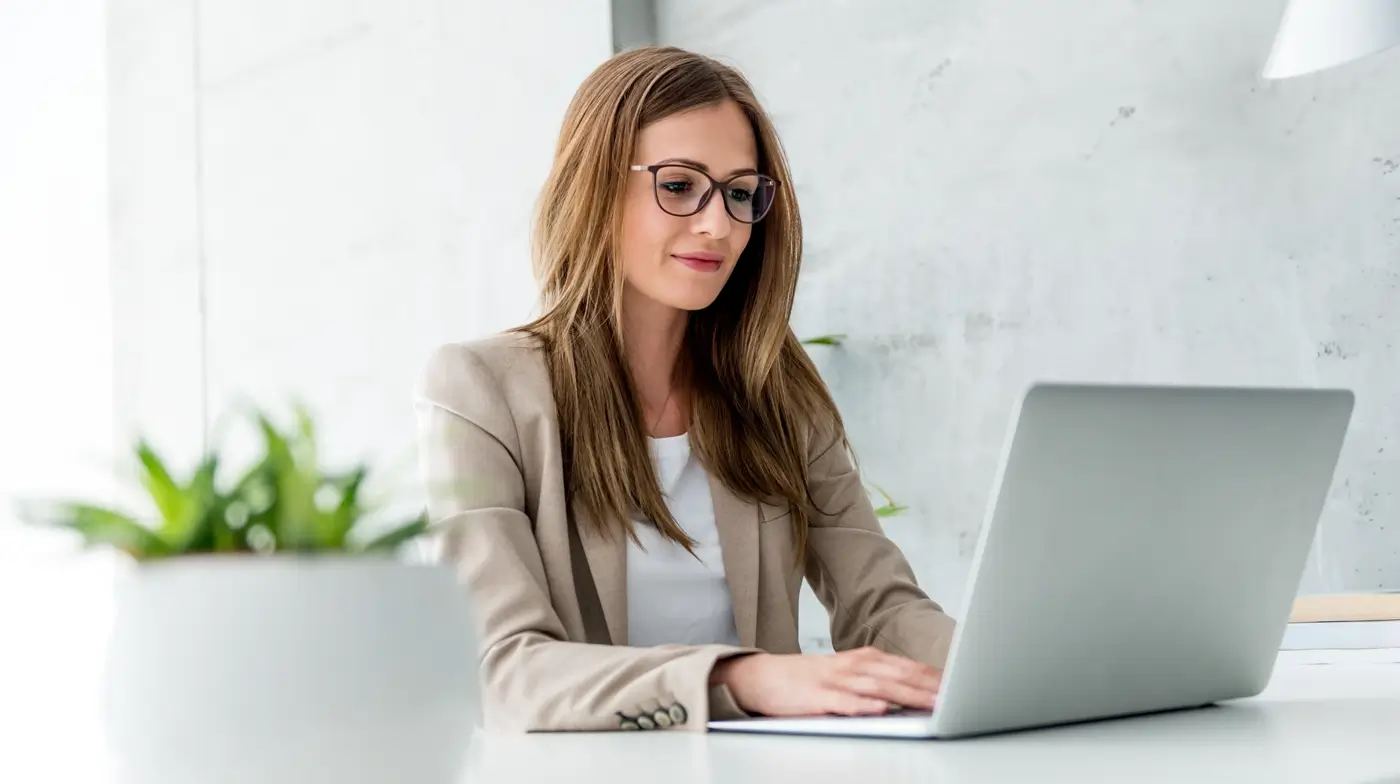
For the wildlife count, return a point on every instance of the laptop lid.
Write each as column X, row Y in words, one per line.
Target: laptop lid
column 1141, row 553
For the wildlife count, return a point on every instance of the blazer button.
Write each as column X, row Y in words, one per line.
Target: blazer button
column 645, row 722
column 678, row 714
column 662, row 717
column 626, row 723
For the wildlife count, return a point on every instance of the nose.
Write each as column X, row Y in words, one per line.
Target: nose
column 713, row 220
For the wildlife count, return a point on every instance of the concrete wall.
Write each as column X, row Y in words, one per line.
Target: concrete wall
column 306, row 197
column 310, row 196
column 1001, row 191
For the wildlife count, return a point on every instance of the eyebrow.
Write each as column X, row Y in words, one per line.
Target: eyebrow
column 702, row 167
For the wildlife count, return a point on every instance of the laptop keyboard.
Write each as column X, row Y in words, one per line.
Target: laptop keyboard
column 925, row 712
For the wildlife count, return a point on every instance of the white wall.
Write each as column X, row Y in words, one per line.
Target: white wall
column 1000, row 191
column 308, row 196
column 304, row 198
column 315, row 194
column 55, row 379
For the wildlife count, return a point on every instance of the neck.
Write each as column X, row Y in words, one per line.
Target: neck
column 653, row 335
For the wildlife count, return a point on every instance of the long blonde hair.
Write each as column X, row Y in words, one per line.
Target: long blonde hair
column 755, row 395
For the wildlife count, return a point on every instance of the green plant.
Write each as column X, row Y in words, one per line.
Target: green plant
column 284, row 502
column 825, row 340
column 889, row 508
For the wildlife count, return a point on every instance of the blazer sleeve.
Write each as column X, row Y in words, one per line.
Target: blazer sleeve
column 532, row 677
column 859, row 574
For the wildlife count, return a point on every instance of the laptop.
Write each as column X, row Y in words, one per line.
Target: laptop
column 1141, row 554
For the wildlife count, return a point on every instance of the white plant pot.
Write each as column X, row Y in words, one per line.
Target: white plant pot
column 287, row 670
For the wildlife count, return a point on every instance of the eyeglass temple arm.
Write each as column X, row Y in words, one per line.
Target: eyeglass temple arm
column 644, row 167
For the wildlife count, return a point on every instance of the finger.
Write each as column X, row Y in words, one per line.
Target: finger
column 908, row 673
column 916, row 668
column 880, row 664
column 887, row 689
column 845, row 703
column 872, row 654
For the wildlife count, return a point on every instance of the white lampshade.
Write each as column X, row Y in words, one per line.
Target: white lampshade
column 1317, row 34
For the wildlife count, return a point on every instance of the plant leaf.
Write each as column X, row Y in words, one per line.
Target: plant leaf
column 826, row 340
column 306, row 427
column 336, row 524
column 100, row 526
column 195, row 531
column 293, row 514
column 889, row 508
column 170, row 500
column 396, row 538
column 222, row 536
column 251, row 498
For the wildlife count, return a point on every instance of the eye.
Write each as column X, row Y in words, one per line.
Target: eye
column 675, row 187
column 740, row 195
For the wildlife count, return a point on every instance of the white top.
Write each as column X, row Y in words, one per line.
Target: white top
column 673, row 596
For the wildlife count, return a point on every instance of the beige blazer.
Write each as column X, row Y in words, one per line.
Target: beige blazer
column 551, row 597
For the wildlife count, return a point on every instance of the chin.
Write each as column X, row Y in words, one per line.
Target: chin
column 682, row 292
column 692, row 302
column 689, row 294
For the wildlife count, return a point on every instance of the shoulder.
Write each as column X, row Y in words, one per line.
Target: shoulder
column 464, row 376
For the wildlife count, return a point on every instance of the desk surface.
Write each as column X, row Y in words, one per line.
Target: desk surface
column 1327, row 716
column 1337, row 722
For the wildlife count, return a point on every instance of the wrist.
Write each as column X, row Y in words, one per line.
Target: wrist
column 723, row 671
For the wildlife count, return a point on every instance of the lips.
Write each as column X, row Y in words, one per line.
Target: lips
column 703, row 261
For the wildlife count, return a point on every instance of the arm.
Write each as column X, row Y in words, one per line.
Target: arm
column 861, row 577
column 532, row 677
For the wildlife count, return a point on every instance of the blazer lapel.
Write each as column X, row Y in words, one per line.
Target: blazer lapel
column 607, row 564
column 737, row 522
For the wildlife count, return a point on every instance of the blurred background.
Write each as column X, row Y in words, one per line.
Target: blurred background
column 204, row 201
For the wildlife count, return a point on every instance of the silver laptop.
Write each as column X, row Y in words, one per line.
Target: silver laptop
column 1141, row 553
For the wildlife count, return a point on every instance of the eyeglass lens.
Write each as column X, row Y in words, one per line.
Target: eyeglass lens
column 682, row 191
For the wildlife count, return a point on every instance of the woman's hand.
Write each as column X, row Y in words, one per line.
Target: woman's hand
column 861, row 682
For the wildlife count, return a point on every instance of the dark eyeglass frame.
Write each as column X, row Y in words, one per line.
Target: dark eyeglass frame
column 705, row 198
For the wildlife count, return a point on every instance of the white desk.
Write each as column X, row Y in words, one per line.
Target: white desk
column 1334, row 723
column 1337, row 722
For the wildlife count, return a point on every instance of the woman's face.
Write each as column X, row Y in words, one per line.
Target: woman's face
column 683, row 262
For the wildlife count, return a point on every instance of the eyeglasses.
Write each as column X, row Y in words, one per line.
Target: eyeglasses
column 683, row 190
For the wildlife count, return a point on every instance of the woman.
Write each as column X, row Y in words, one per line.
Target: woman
column 634, row 484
